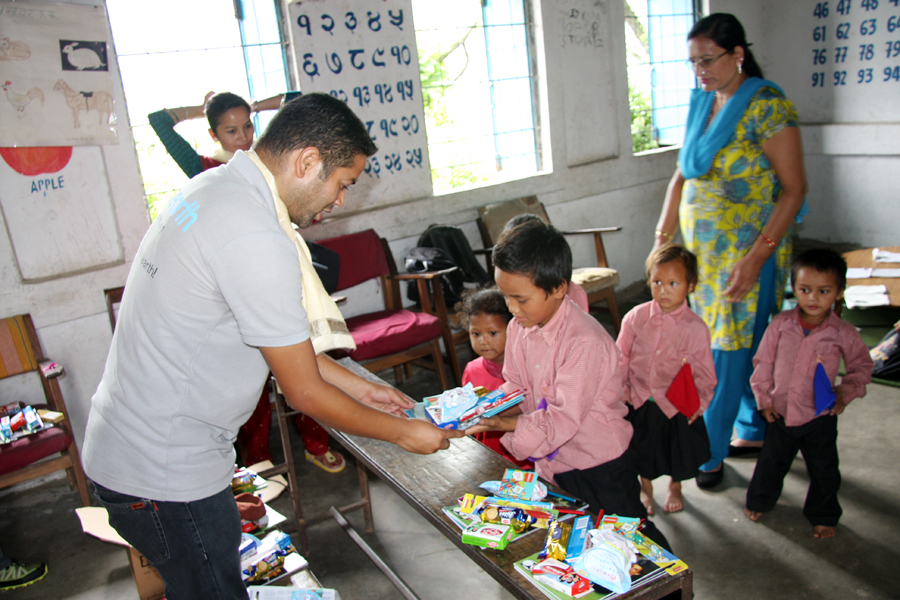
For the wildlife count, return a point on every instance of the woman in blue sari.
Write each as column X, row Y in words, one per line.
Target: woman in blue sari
column 739, row 185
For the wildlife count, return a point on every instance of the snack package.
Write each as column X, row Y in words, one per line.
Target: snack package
column 561, row 577
column 487, row 535
column 556, row 542
column 10, row 409
column 519, row 485
column 32, row 420
column 268, row 563
column 516, row 518
column 578, row 539
column 607, row 562
column 6, row 432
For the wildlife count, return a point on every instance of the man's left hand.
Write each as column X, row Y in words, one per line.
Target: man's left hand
column 386, row 398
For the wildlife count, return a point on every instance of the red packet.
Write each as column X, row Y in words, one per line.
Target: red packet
column 683, row 392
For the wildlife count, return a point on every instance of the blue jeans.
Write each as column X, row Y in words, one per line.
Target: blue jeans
column 193, row 545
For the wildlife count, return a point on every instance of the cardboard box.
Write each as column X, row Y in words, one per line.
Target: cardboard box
column 95, row 522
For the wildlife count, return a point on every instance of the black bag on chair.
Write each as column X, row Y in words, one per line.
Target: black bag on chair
column 422, row 260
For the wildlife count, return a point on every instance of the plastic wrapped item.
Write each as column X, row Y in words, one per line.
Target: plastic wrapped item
column 561, row 577
column 607, row 562
column 519, row 485
column 557, row 540
column 6, row 432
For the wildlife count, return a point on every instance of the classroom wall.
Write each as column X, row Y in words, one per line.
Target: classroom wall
column 851, row 131
column 592, row 183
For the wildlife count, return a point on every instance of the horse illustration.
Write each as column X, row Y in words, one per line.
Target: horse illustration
column 13, row 50
column 100, row 101
column 82, row 58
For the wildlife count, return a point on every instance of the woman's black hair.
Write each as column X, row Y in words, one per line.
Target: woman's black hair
column 481, row 301
column 219, row 104
column 727, row 32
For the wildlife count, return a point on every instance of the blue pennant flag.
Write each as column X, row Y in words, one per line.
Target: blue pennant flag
column 825, row 396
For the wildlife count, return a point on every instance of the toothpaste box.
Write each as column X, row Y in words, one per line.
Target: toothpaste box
column 561, row 577
column 488, row 535
column 578, row 538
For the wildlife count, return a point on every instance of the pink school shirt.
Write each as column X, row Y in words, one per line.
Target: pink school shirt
column 573, row 363
column 577, row 293
column 784, row 367
column 654, row 345
column 483, row 372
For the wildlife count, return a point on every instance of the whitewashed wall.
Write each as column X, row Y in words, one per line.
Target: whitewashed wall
column 851, row 135
column 69, row 312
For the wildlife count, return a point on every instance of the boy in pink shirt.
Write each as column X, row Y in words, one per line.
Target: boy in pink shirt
column 657, row 339
column 571, row 422
column 784, row 384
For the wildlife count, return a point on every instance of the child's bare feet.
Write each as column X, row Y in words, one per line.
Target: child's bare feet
column 647, row 494
column 752, row 515
column 674, row 499
column 824, row 531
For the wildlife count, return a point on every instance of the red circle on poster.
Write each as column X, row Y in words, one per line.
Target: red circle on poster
column 37, row 160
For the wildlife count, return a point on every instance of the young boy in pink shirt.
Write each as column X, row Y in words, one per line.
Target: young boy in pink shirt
column 784, row 384
column 571, row 422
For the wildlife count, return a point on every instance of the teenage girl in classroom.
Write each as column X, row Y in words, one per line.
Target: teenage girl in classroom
column 231, row 126
column 484, row 314
column 656, row 340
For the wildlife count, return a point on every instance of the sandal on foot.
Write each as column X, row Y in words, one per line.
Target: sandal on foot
column 333, row 462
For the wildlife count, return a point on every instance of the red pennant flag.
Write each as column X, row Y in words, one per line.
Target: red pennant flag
column 683, row 392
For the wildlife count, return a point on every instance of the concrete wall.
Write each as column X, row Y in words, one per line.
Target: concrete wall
column 845, row 162
column 851, row 134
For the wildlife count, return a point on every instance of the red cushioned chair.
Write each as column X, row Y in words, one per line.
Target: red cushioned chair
column 52, row 449
column 393, row 337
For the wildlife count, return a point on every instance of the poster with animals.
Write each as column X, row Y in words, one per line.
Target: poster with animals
column 55, row 73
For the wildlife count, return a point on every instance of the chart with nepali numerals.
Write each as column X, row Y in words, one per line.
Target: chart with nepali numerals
column 852, row 58
column 837, row 60
column 855, row 42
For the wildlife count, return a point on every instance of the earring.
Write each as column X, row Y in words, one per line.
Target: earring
column 740, row 67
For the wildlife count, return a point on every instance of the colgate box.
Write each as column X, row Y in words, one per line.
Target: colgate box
column 488, row 535
column 561, row 577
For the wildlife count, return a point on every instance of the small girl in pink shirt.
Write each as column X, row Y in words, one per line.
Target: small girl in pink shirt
column 485, row 314
column 657, row 339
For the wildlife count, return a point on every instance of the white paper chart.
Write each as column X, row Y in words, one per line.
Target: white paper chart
column 364, row 53
column 852, row 58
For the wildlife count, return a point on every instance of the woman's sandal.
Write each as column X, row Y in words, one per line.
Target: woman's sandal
column 333, row 462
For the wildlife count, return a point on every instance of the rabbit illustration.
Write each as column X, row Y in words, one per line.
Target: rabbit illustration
column 82, row 58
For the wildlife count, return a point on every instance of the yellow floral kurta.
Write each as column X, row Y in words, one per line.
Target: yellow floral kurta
column 723, row 212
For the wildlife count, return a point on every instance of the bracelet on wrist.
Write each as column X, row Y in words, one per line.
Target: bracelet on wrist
column 663, row 234
column 771, row 244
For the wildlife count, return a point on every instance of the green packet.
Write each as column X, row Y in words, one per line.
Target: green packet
column 488, row 535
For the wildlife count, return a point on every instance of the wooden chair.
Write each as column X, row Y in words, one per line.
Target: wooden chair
column 394, row 337
column 599, row 282
column 52, row 449
column 113, row 298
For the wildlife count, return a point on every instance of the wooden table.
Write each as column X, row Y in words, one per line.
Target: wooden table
column 431, row 482
column 864, row 259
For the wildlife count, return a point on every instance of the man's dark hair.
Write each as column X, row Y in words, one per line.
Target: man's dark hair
column 221, row 103
column 822, row 260
column 537, row 250
column 318, row 121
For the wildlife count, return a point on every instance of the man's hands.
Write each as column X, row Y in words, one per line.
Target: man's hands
column 386, row 398
column 770, row 414
column 422, row 437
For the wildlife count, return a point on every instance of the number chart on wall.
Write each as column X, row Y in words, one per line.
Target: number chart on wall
column 364, row 53
column 853, row 58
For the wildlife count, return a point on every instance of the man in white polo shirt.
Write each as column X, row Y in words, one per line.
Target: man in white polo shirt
column 211, row 305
